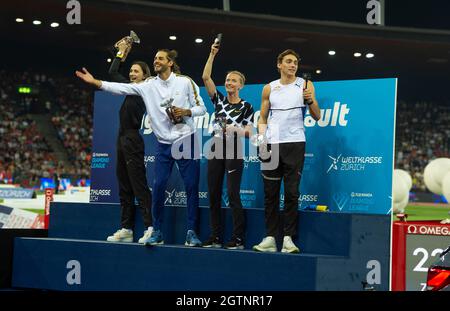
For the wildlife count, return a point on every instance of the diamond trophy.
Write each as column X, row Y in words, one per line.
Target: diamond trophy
column 219, row 126
column 124, row 45
column 169, row 110
column 260, row 142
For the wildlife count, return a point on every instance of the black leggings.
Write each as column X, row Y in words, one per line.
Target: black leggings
column 232, row 166
column 131, row 174
column 289, row 169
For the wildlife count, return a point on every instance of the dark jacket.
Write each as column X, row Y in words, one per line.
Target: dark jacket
column 133, row 107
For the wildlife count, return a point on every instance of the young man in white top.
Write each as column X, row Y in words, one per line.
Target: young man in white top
column 283, row 107
column 174, row 129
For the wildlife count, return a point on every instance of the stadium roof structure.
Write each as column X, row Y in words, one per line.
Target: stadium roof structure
column 418, row 57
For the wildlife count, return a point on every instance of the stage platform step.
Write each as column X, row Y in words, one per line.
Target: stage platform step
column 50, row 264
column 339, row 251
column 319, row 232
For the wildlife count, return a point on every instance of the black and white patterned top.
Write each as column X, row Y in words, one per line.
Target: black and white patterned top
column 240, row 114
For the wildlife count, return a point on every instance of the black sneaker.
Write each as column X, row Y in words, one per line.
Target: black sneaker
column 212, row 242
column 235, row 243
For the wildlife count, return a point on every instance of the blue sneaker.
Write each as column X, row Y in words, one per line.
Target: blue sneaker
column 192, row 239
column 155, row 239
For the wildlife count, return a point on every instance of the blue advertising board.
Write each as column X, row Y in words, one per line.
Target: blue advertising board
column 349, row 151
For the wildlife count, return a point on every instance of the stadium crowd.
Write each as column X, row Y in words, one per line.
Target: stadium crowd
column 422, row 134
column 25, row 154
column 73, row 121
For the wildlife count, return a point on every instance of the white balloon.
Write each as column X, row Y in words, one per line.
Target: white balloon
column 431, row 183
column 405, row 176
column 399, row 189
column 446, row 186
column 399, row 207
column 434, row 174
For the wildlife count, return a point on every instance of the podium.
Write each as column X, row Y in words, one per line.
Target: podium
column 339, row 251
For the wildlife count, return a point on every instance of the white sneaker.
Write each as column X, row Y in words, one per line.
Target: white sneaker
column 147, row 234
column 289, row 246
column 268, row 244
column 121, row 235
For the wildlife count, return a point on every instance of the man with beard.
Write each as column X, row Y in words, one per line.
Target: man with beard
column 174, row 130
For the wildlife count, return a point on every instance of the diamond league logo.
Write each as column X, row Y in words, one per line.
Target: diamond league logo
column 340, row 199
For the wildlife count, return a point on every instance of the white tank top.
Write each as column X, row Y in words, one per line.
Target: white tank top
column 286, row 112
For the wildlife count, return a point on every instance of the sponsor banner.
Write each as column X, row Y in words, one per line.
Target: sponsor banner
column 48, row 200
column 19, row 219
column 428, row 229
column 349, row 151
column 106, row 125
column 16, row 193
column 416, row 245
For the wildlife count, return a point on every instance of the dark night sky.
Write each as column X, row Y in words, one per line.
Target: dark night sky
column 432, row 14
column 62, row 57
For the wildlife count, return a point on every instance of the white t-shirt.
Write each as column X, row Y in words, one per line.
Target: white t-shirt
column 286, row 112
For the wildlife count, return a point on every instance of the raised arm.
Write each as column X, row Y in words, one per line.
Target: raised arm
column 310, row 99
column 265, row 105
column 114, row 73
column 123, row 48
column 123, row 88
column 206, row 76
column 112, row 87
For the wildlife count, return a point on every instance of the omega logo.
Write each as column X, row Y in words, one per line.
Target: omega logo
column 412, row 229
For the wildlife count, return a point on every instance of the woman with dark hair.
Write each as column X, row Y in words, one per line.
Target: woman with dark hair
column 130, row 168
